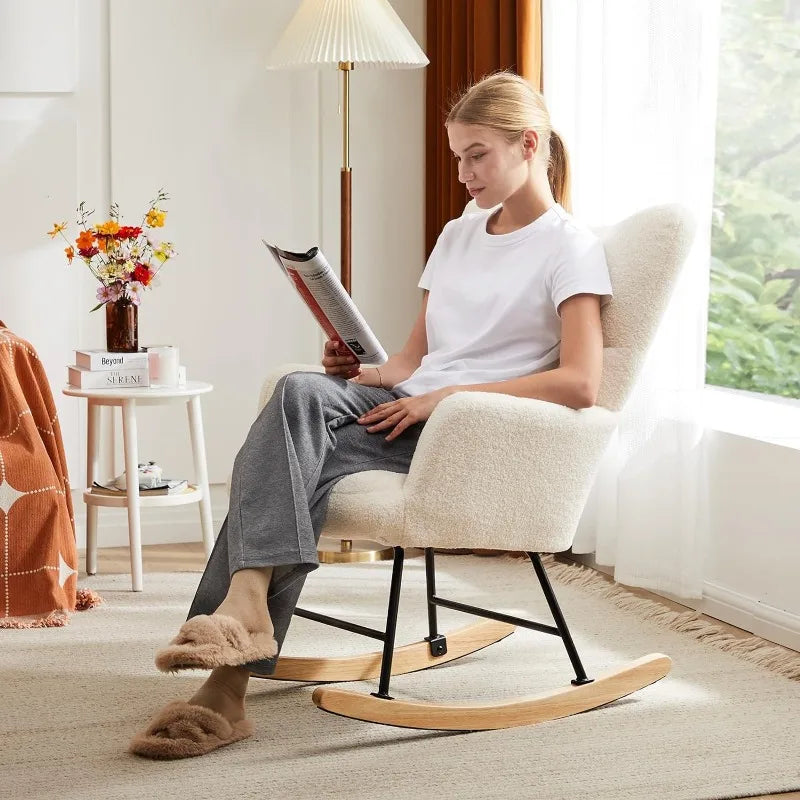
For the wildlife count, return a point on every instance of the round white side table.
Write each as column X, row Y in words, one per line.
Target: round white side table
column 128, row 399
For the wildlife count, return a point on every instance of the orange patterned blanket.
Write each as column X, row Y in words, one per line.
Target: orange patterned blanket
column 38, row 557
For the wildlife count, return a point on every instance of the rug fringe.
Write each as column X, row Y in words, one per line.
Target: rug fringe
column 752, row 648
column 55, row 619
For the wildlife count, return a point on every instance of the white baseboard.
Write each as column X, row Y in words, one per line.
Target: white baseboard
column 168, row 525
column 763, row 620
column 719, row 602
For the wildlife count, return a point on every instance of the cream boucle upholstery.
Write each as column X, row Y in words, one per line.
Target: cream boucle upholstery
column 496, row 471
column 492, row 470
column 644, row 254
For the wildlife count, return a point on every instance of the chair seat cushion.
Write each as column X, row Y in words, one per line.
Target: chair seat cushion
column 368, row 505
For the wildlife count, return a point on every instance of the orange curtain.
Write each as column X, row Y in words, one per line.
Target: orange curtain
column 467, row 39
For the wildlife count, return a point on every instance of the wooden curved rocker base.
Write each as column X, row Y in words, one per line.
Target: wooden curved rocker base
column 562, row 702
column 410, row 658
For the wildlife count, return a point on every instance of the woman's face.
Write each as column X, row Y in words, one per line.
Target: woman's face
column 492, row 168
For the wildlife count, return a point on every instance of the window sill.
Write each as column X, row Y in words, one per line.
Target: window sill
column 775, row 420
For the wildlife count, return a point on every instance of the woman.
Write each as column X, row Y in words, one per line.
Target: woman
column 512, row 305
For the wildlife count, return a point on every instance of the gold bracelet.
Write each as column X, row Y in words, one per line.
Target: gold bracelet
column 380, row 380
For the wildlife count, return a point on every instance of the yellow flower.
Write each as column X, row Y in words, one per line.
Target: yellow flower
column 108, row 228
column 155, row 218
column 164, row 251
column 57, row 228
column 111, row 271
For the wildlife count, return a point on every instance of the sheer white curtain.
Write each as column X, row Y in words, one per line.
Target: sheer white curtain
column 631, row 87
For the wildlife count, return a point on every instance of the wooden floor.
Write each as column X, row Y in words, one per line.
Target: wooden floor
column 188, row 557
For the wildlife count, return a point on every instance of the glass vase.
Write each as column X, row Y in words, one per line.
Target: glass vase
column 122, row 326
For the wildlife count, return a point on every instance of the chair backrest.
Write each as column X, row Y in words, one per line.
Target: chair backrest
column 645, row 253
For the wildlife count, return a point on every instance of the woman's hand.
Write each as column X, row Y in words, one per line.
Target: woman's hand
column 339, row 361
column 402, row 413
column 370, row 378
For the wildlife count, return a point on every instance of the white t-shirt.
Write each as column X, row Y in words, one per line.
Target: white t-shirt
column 493, row 297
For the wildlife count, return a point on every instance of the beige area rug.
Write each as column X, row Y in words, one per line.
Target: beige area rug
column 717, row 727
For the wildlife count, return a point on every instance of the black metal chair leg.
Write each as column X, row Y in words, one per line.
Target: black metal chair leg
column 561, row 624
column 436, row 642
column 391, row 625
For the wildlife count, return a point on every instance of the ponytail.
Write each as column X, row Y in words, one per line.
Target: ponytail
column 558, row 172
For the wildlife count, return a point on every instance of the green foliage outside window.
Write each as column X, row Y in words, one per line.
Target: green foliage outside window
column 754, row 307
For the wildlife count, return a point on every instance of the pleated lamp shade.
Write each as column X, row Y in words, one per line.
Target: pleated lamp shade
column 365, row 32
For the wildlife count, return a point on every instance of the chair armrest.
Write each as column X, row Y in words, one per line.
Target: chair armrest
column 492, row 470
column 268, row 387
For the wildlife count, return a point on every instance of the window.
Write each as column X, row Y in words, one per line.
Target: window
column 754, row 305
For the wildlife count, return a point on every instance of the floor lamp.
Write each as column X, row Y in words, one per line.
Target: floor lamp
column 343, row 34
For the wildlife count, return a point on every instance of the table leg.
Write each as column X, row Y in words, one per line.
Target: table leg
column 129, row 437
column 92, row 457
column 201, row 472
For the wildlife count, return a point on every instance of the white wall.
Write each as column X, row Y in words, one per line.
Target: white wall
column 101, row 101
column 149, row 94
column 237, row 148
column 53, row 150
column 751, row 570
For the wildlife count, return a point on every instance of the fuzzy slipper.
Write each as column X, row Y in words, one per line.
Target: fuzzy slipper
column 184, row 730
column 205, row 642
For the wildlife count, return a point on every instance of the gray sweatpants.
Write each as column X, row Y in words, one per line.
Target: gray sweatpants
column 304, row 440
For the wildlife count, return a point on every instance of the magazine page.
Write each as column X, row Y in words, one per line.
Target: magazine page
column 330, row 304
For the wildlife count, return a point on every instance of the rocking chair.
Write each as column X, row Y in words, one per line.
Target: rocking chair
column 490, row 471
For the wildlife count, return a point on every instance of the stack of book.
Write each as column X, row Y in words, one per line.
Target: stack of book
column 99, row 369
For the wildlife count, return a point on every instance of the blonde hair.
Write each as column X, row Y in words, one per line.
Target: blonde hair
column 508, row 104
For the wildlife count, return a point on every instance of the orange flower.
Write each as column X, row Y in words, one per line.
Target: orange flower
column 70, row 254
column 85, row 240
column 102, row 243
column 57, row 228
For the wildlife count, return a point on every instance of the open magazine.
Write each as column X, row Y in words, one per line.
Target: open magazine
column 328, row 301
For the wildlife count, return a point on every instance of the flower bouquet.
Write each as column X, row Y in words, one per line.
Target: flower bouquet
column 125, row 260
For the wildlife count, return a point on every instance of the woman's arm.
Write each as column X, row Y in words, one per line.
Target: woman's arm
column 401, row 365
column 575, row 382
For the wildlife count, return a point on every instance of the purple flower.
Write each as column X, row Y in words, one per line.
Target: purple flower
column 135, row 289
column 109, row 294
